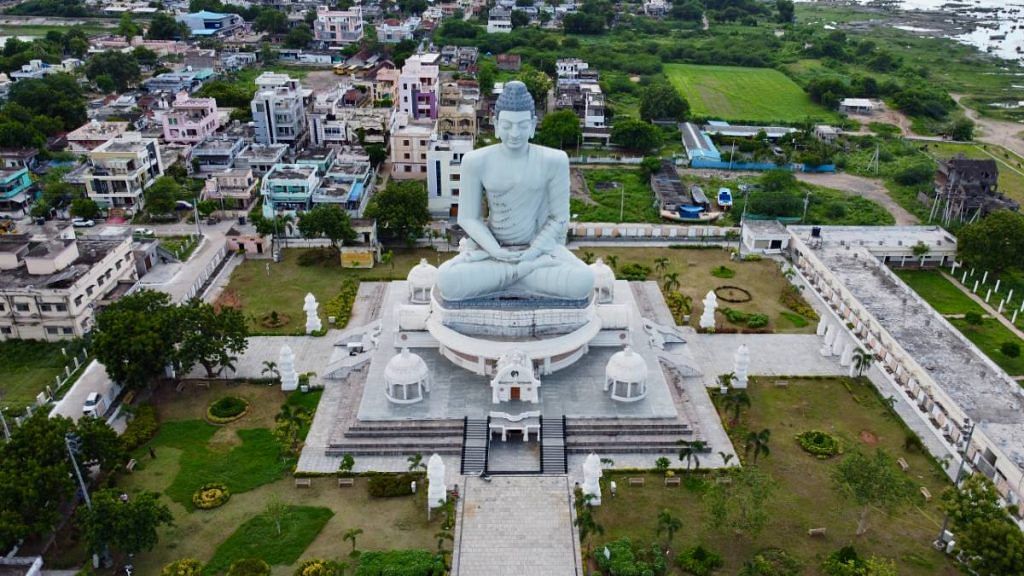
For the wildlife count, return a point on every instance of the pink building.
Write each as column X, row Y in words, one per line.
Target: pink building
column 191, row 120
column 336, row 28
column 418, row 86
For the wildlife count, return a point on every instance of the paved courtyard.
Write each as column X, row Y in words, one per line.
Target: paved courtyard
column 516, row 526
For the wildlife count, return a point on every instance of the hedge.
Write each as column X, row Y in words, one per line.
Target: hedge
column 226, row 409
column 400, row 563
column 141, row 428
column 392, row 485
column 249, row 567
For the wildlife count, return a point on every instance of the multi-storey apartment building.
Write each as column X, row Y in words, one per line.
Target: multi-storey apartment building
column 233, row 190
column 444, row 174
column 49, row 290
column 279, row 109
column 191, row 120
column 15, row 187
column 120, row 170
column 216, row 153
column 261, row 157
column 418, row 86
column 393, row 31
column 289, row 188
column 410, row 142
column 338, row 27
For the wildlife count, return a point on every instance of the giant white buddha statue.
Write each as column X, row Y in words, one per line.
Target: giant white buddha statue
column 518, row 248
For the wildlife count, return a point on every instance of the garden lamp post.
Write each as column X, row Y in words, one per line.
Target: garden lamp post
column 3, row 423
column 939, row 542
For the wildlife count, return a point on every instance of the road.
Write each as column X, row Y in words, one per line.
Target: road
column 998, row 132
column 869, row 188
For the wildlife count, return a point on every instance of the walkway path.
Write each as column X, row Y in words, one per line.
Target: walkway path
column 992, row 131
column 869, row 188
column 981, row 301
column 516, row 526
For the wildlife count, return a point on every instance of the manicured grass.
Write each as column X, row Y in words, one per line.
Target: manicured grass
column 611, row 187
column 387, row 522
column 762, row 278
column 258, row 538
column 805, row 496
column 795, row 319
column 29, row 366
column 989, row 336
column 283, row 290
column 743, row 94
column 939, row 292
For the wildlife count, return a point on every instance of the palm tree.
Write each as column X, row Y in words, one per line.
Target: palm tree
column 689, row 452
column 585, row 522
column 660, row 265
column 862, row 360
column 725, row 380
column 726, row 458
column 612, row 260
column 588, row 257
column 388, row 257
column 669, row 524
column 415, row 461
column 758, row 442
column 352, row 534
column 670, row 281
column 735, row 402
column 270, row 367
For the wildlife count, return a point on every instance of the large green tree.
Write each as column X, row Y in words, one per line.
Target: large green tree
column 992, row 547
column 975, row 501
column 163, row 26
column 537, row 82
column 993, row 243
column 127, row 27
column 661, row 101
column 742, row 503
column 162, row 194
column 636, row 135
column 400, row 210
column 210, row 337
column 559, row 129
column 56, row 96
column 327, row 221
column 134, row 337
column 298, row 37
column 872, row 482
column 272, row 21
column 122, row 69
column 125, row 523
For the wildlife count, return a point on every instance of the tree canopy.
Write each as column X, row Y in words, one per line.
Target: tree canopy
column 163, row 26
column 636, row 135
column 661, row 101
column 134, row 337
column 327, row 221
column 125, row 523
column 993, row 243
column 121, row 69
column 559, row 129
column 401, row 211
column 873, row 481
column 210, row 337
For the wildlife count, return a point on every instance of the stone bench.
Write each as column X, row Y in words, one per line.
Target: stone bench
column 782, row 384
column 636, row 481
column 672, row 481
column 816, row 532
column 927, row 495
column 903, row 465
column 346, row 482
column 303, row 482
column 130, row 466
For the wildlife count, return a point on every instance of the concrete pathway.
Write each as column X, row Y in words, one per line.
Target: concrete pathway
column 981, row 302
column 516, row 526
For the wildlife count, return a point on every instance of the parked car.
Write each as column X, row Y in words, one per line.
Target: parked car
column 212, row 220
column 82, row 223
column 95, row 405
column 182, row 205
column 144, row 232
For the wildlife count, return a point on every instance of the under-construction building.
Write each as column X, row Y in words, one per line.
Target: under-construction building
column 967, row 189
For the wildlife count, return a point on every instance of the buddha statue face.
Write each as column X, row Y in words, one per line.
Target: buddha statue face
column 515, row 128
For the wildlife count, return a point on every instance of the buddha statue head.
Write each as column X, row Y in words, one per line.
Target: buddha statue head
column 515, row 117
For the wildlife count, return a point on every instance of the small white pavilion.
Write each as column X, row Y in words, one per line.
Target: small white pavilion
column 406, row 378
column 626, row 376
column 604, row 282
column 421, row 281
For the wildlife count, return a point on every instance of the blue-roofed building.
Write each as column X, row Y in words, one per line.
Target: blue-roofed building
column 175, row 82
column 289, row 188
column 698, row 144
column 15, row 190
column 347, row 184
column 205, row 23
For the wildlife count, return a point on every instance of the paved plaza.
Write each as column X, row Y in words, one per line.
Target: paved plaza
column 516, row 526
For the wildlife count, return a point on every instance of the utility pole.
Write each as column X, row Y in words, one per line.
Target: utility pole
column 72, row 442
column 3, row 421
column 939, row 542
column 807, row 202
column 622, row 201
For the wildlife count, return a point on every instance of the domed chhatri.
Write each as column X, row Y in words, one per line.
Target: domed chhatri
column 518, row 249
column 626, row 376
column 406, row 378
column 421, row 279
column 604, row 281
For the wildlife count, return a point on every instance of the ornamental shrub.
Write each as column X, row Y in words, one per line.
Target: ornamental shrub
column 698, row 561
column 392, row 485
column 211, row 495
column 340, row 307
column 249, row 567
column 142, row 427
column 634, row 272
column 771, row 562
column 629, row 558
column 400, row 563
column 723, row 272
column 820, row 444
column 226, row 409
column 792, row 299
column 318, row 567
column 183, row 567
column 1010, row 349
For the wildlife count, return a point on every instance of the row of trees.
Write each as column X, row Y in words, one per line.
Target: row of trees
column 140, row 335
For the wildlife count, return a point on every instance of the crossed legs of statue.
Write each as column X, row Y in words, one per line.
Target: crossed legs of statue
column 556, row 275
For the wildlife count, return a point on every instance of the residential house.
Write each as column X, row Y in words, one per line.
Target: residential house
column 444, row 161
column 393, row 31
column 418, row 86
column 175, row 82
column 93, row 134
column 499, row 20
column 233, row 190
column 410, row 142
column 863, row 106
column 191, row 120
column 348, row 183
column 260, row 158
column 288, row 188
column 216, row 153
column 337, row 28
column 279, row 110
column 509, row 62
column 15, row 190
column 120, row 170
column 14, row 158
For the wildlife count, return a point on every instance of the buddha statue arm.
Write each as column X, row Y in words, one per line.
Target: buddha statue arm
column 471, row 212
column 552, row 233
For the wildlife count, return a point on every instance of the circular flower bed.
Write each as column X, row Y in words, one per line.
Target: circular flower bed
column 183, row 567
column 226, row 409
column 820, row 444
column 274, row 320
column 212, row 495
column 733, row 294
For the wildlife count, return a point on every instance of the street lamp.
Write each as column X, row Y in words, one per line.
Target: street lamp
column 940, row 541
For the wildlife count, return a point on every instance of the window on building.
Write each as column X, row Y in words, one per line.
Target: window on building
column 45, row 308
column 408, row 168
column 455, row 191
column 405, row 156
column 423, row 168
column 67, row 330
column 78, row 300
column 405, row 142
column 456, row 177
column 117, row 264
column 21, row 307
column 90, row 290
column 2, row 307
column 61, row 307
column 6, row 330
column 423, row 142
column 52, row 330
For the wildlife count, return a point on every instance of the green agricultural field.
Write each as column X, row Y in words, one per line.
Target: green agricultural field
column 744, row 94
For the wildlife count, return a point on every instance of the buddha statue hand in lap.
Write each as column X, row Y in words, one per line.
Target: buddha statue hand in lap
column 519, row 248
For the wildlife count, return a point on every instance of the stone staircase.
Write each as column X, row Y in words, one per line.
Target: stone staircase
column 399, row 439
column 552, row 446
column 475, row 440
column 625, row 436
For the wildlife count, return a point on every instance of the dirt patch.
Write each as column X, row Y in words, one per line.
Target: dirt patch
column 578, row 188
column 228, row 299
column 868, row 437
column 870, row 188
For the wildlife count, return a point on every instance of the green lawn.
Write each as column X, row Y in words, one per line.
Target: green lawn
column 989, row 336
column 282, row 290
column 805, row 496
column 611, row 187
column 939, row 292
column 29, row 366
column 258, row 538
column 744, row 94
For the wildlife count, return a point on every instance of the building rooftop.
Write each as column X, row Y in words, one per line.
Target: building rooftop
column 89, row 252
column 290, row 172
column 264, row 152
column 980, row 389
column 95, row 130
